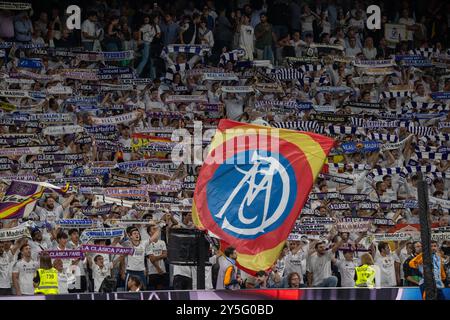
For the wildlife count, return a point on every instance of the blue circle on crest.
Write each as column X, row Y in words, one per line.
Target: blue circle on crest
column 240, row 193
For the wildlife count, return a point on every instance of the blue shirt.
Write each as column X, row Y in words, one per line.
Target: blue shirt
column 22, row 29
column 169, row 33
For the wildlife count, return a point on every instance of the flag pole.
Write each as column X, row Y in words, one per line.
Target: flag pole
column 425, row 235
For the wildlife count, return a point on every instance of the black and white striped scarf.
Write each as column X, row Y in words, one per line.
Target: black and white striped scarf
column 176, row 68
column 437, row 137
column 425, row 106
column 286, row 74
column 298, row 125
column 320, row 81
column 433, row 155
column 187, row 48
column 336, row 130
column 284, row 104
column 355, row 166
column 357, row 122
column 382, row 136
column 404, row 170
column 311, row 67
column 421, row 131
column 424, row 52
column 232, row 56
column 395, row 94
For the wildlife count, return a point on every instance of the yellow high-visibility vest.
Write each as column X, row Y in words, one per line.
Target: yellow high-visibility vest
column 48, row 281
column 365, row 276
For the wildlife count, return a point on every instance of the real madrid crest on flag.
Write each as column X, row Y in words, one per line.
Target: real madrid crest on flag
column 253, row 185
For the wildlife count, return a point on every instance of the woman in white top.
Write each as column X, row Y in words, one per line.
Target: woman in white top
column 147, row 33
column 247, row 37
column 307, row 19
column 369, row 51
column 204, row 34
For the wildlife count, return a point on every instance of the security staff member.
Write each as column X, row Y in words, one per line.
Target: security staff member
column 227, row 277
column 46, row 278
column 365, row 274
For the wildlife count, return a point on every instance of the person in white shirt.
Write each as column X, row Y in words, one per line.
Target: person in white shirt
column 51, row 211
column 247, row 37
column 157, row 276
column 100, row 271
column 352, row 50
column 204, row 34
column 38, row 244
column 318, row 266
column 23, row 272
column 135, row 263
column 234, row 105
column 148, row 32
column 6, row 260
column 214, row 93
column 410, row 24
column 63, row 277
column 74, row 244
column 389, row 264
column 346, row 269
column 307, row 18
column 89, row 31
column 295, row 260
column 297, row 43
column 369, row 51
column 125, row 141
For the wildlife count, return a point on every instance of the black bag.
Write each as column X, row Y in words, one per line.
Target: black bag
column 108, row 285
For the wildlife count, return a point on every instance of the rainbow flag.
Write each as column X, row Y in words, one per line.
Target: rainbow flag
column 253, row 185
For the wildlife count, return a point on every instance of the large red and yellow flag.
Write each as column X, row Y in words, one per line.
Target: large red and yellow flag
column 253, row 185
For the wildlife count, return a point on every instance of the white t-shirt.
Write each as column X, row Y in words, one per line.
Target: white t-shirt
column 99, row 274
column 294, row 263
column 50, row 215
column 247, row 39
column 234, row 108
column 126, row 143
column 352, row 52
column 307, row 23
column 88, row 27
column 320, row 266
column 387, row 269
column 347, row 271
column 149, row 32
column 156, row 249
column 408, row 22
column 136, row 262
column 63, row 287
column 5, row 269
column 26, row 271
